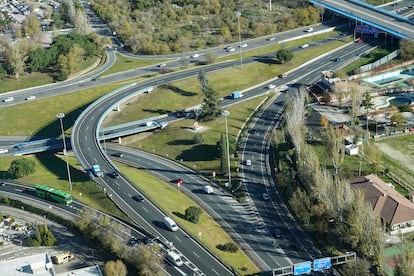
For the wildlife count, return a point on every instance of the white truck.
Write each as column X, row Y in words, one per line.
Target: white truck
column 208, row 189
column 97, row 171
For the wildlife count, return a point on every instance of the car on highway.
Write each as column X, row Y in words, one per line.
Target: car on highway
column 8, row 99
column 114, row 174
column 138, row 198
column 271, row 86
column 248, row 162
column 309, row 30
column 161, row 65
column 30, row 98
column 265, row 196
column 277, row 233
column 4, row 150
column 118, row 154
column 244, row 45
column 195, row 56
column 96, row 78
column 306, row 45
column 231, row 49
column 337, row 59
column 271, row 38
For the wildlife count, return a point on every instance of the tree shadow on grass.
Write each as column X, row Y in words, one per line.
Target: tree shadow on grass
column 158, row 111
column 181, row 142
column 266, row 60
column 178, row 214
column 178, row 90
column 199, row 153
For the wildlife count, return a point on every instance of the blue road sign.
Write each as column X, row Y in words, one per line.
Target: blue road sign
column 321, row 264
column 302, row 268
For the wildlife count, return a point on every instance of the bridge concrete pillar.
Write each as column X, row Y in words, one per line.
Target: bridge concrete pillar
column 119, row 140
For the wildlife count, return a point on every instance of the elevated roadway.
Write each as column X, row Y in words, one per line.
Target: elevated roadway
column 360, row 12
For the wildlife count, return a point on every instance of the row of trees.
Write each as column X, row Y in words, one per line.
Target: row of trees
column 177, row 26
column 317, row 196
column 100, row 229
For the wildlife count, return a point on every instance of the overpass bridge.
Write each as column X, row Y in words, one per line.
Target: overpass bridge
column 383, row 20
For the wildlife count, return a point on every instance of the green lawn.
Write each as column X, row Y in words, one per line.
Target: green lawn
column 51, row 171
column 174, row 203
column 176, row 140
column 38, row 117
column 372, row 57
column 124, row 63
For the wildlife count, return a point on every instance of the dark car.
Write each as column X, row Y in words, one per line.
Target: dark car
column 277, row 233
column 118, row 154
column 138, row 198
column 96, row 78
column 115, row 175
column 337, row 59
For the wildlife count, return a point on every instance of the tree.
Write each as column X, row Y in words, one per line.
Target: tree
column 115, row 268
column 284, row 55
column 356, row 100
column 192, row 214
column 406, row 49
column 336, row 146
column 295, row 116
column 359, row 267
column 21, row 167
column 210, row 57
column 210, row 108
column 398, row 119
column 405, row 260
column 198, row 138
column 31, row 24
column 367, row 104
column 82, row 24
column 222, row 150
column 16, row 57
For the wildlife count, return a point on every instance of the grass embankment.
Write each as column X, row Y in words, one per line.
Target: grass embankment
column 51, row 171
column 124, row 63
column 34, row 79
column 169, row 199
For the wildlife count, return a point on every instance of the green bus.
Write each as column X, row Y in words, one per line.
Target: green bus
column 48, row 193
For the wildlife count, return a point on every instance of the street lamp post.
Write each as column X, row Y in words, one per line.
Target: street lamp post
column 226, row 114
column 60, row 116
column 238, row 14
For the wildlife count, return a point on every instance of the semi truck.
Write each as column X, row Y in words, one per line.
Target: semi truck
column 97, row 171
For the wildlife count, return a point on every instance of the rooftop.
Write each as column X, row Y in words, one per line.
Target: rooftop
column 39, row 265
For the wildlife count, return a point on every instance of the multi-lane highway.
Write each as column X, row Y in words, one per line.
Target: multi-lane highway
column 359, row 11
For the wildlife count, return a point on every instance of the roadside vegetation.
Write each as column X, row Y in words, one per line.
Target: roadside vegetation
column 175, row 203
column 188, row 26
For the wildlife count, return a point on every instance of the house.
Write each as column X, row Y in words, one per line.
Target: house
column 396, row 211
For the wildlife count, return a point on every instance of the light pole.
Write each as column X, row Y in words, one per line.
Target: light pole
column 238, row 14
column 60, row 116
column 226, row 114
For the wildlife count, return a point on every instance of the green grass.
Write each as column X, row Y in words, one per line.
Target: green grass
column 124, row 63
column 33, row 79
column 25, row 81
column 169, row 199
column 51, row 171
column 175, row 141
column 38, row 118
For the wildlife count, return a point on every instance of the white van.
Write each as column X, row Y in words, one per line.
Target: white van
column 174, row 258
column 208, row 189
column 170, row 224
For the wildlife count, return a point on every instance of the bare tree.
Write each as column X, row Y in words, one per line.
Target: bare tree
column 356, row 100
column 115, row 268
column 81, row 22
column 16, row 57
column 336, row 146
column 295, row 116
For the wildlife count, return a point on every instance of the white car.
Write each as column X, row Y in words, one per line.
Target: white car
column 271, row 86
column 304, row 46
column 195, row 56
column 162, row 65
column 248, row 162
column 244, row 45
column 8, row 99
column 271, row 38
column 30, row 98
column 231, row 49
column 309, row 30
column 4, row 150
column 265, row 196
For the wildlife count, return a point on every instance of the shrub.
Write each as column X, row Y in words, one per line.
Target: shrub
column 192, row 214
column 198, row 138
column 21, row 167
column 229, row 247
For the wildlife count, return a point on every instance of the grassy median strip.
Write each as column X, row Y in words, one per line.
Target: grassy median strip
column 172, row 201
column 124, row 63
